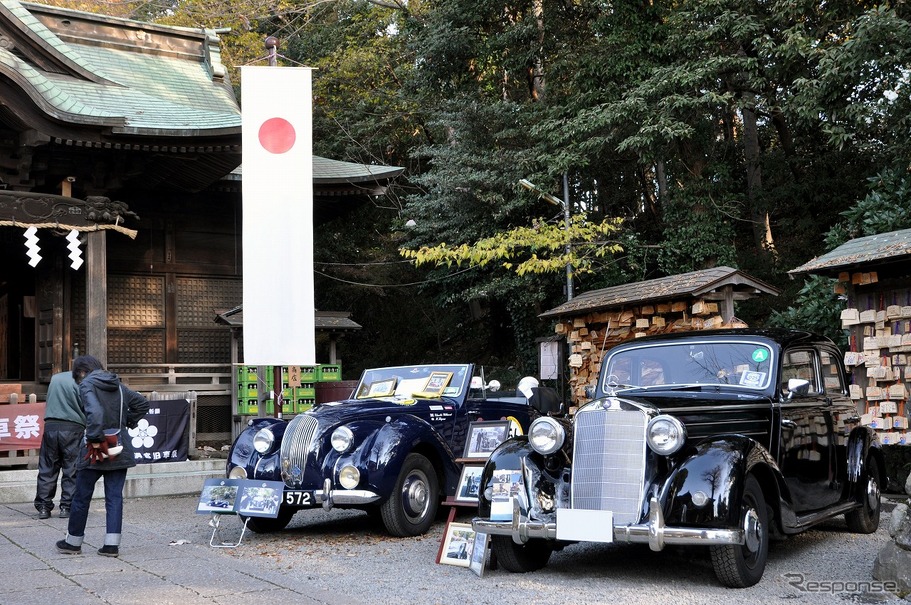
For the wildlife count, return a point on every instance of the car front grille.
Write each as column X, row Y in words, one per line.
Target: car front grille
column 609, row 462
column 296, row 447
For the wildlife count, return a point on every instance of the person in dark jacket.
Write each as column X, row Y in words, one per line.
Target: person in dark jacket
column 110, row 409
column 64, row 427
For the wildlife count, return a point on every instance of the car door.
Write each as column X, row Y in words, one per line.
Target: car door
column 807, row 437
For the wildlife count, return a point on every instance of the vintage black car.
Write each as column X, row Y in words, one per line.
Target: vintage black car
column 390, row 449
column 718, row 438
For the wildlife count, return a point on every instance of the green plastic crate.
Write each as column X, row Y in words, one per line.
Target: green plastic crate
column 305, row 391
column 251, row 407
column 330, row 373
column 303, row 404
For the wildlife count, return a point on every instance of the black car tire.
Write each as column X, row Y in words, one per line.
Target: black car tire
column 412, row 506
column 865, row 518
column 520, row 558
column 739, row 566
column 268, row 525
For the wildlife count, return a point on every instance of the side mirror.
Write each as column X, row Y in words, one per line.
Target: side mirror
column 798, row 387
column 589, row 391
column 493, row 385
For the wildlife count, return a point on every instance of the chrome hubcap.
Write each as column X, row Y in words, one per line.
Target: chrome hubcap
column 752, row 530
column 416, row 496
column 872, row 493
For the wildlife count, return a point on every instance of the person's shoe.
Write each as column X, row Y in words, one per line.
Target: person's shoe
column 68, row 549
column 109, row 551
column 44, row 513
column 64, row 512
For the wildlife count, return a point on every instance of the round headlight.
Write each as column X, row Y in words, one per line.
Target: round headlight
column 238, row 472
column 263, row 440
column 665, row 435
column 349, row 477
column 546, row 435
column 341, row 439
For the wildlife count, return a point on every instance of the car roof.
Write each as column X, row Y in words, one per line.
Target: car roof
column 780, row 336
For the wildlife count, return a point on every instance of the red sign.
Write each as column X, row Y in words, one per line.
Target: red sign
column 21, row 426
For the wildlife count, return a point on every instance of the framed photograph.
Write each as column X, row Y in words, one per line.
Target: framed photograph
column 478, row 560
column 505, row 489
column 436, row 382
column 484, row 437
column 380, row 388
column 469, row 484
column 457, row 543
column 260, row 498
column 218, row 496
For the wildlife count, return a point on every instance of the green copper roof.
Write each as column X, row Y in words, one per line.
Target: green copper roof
column 872, row 249
column 137, row 78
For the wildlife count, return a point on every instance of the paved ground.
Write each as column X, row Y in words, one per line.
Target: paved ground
column 343, row 557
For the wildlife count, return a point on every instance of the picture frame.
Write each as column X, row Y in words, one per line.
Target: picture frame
column 435, row 384
column 456, row 546
column 478, row 560
column 260, row 498
column 469, row 484
column 505, row 487
column 219, row 496
column 484, row 436
column 379, row 388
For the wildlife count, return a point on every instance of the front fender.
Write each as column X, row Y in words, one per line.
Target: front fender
column 715, row 471
column 542, row 490
column 258, row 466
column 396, row 439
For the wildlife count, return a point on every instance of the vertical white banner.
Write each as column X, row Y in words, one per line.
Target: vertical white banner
column 279, row 308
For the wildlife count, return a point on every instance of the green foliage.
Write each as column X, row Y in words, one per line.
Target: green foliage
column 887, row 207
column 816, row 308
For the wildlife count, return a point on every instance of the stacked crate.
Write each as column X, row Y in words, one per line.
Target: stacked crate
column 295, row 399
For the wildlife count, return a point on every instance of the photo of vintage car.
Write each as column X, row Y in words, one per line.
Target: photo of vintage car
column 389, row 449
column 718, row 438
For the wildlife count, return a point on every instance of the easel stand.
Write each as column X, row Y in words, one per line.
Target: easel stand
column 215, row 523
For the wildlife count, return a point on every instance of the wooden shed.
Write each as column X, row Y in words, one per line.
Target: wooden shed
column 874, row 274
column 597, row 320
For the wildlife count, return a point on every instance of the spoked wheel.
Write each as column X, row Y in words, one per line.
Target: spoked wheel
column 521, row 558
column 411, row 508
column 865, row 518
column 739, row 566
column 268, row 525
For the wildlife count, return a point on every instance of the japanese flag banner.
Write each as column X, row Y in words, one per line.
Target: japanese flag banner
column 279, row 308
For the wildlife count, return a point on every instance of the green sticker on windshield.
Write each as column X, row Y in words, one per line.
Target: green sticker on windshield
column 760, row 355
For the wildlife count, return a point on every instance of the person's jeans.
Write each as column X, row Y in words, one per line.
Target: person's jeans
column 86, row 479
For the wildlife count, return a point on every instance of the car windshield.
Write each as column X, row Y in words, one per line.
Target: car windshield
column 409, row 382
column 690, row 363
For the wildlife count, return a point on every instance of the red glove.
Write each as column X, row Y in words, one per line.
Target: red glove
column 97, row 451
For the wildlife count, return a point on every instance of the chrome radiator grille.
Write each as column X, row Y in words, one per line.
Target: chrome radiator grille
column 609, row 462
column 296, row 447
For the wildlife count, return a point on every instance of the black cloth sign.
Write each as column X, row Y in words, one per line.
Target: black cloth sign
column 163, row 435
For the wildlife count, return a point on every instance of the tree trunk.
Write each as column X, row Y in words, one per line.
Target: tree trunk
column 762, row 230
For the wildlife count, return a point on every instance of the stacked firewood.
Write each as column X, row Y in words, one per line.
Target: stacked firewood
column 591, row 335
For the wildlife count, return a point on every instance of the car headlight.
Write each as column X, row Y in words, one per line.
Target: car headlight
column 665, row 435
column 238, row 472
column 349, row 477
column 546, row 435
column 341, row 439
column 263, row 440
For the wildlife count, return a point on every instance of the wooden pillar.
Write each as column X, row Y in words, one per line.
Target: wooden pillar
column 333, row 355
column 96, row 297
column 727, row 304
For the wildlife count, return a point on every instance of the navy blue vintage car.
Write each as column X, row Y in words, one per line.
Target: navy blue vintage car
column 720, row 438
column 390, row 449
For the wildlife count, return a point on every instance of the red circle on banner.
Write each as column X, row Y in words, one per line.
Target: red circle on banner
column 277, row 135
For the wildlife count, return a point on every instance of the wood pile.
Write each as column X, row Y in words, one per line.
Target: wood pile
column 591, row 335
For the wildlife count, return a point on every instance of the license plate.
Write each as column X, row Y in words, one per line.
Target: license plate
column 298, row 498
column 577, row 525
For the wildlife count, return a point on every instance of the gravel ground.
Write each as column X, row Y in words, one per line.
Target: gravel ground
column 350, row 554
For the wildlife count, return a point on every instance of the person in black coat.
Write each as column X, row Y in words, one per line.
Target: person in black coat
column 110, row 409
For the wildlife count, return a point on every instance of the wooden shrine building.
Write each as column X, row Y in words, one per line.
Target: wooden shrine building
column 129, row 134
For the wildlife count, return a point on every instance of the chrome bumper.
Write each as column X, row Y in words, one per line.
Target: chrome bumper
column 654, row 532
column 330, row 497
